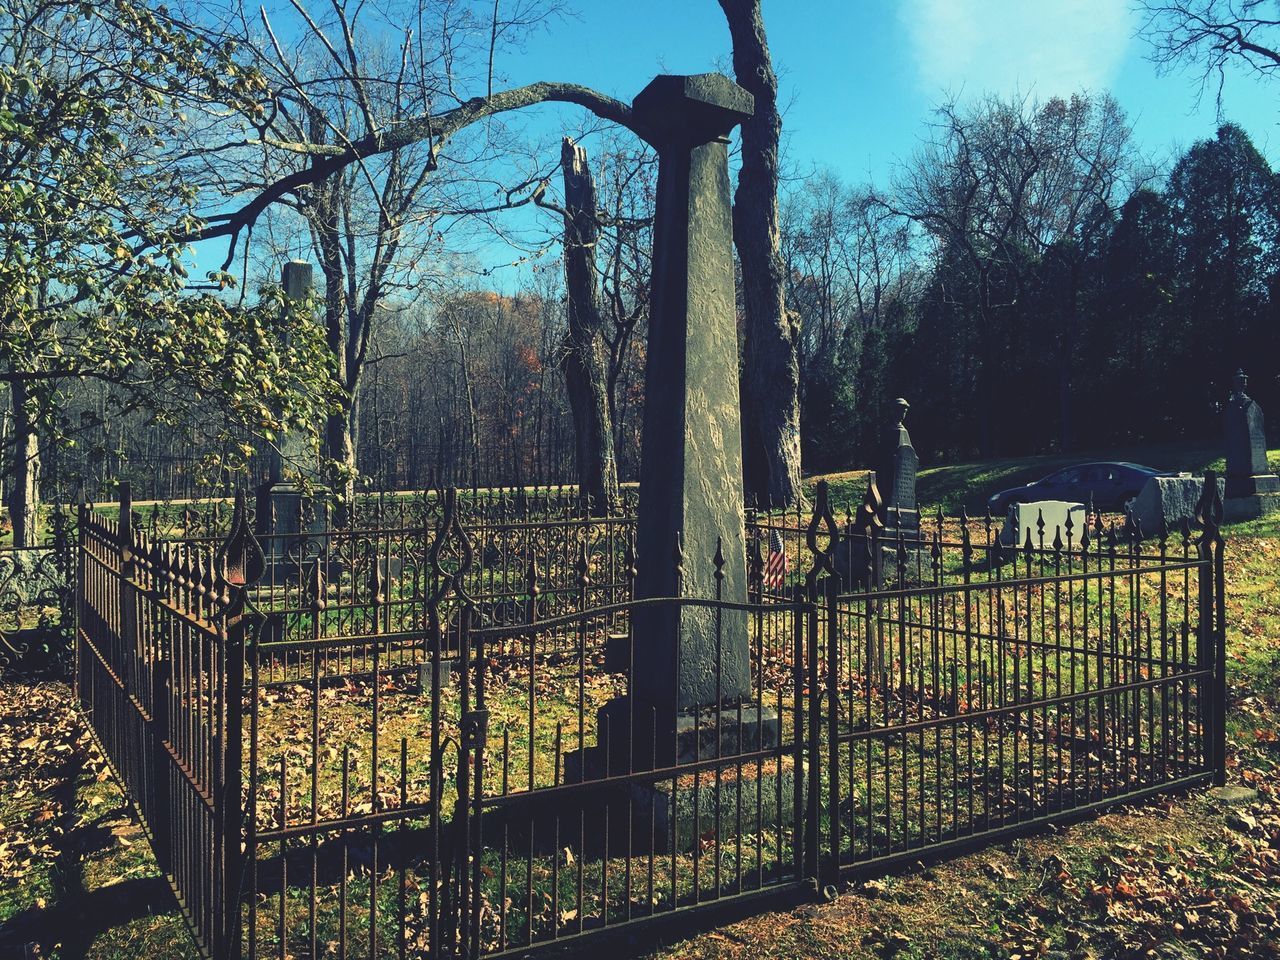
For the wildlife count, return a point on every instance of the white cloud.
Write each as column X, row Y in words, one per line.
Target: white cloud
column 1045, row 47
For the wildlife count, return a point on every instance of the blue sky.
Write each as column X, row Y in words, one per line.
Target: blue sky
column 860, row 79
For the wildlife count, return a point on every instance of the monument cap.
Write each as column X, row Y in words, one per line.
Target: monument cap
column 696, row 107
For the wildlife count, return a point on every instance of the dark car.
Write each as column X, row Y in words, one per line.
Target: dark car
column 1108, row 485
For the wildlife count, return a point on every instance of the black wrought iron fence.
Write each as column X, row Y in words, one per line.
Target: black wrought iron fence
column 159, row 671
column 975, row 689
column 906, row 697
column 37, row 597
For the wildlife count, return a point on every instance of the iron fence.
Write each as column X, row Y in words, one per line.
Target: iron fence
column 908, row 695
column 37, row 597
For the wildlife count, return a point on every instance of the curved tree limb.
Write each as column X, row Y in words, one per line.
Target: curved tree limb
column 437, row 129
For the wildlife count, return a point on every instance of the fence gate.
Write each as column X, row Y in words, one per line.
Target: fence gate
column 975, row 690
column 584, row 812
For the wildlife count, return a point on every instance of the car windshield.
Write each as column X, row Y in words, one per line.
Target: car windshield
column 1070, row 475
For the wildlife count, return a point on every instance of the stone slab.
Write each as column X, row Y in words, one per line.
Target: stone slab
column 763, row 794
column 1169, row 500
column 1233, row 795
column 1240, row 509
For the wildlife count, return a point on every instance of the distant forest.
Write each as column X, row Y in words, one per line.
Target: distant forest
column 1029, row 281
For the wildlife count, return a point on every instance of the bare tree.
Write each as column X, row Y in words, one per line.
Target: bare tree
column 1011, row 185
column 967, row 189
column 625, row 189
column 583, row 360
column 357, row 70
column 1210, row 35
column 1086, row 145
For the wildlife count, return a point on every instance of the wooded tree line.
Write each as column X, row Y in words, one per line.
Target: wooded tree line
column 1030, row 285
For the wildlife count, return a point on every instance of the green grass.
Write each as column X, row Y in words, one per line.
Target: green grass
column 97, row 893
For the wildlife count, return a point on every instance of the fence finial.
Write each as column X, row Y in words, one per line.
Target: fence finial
column 868, row 519
column 240, row 562
column 1209, row 506
column 821, row 518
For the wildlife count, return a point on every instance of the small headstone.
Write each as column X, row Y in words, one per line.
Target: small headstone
column 1169, row 501
column 1026, row 518
column 295, row 278
column 1251, row 488
column 1233, row 795
column 425, row 671
column 899, row 466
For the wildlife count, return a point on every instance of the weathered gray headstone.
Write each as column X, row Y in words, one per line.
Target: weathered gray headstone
column 1251, row 488
column 282, row 512
column 897, row 472
column 691, row 464
column 1168, row 501
column 1024, row 518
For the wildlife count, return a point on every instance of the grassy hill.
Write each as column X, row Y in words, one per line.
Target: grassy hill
column 969, row 484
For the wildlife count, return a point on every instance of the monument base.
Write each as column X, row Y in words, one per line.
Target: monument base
column 1239, row 509
column 704, row 735
column 631, row 817
column 1260, row 484
column 754, row 798
column 293, row 535
column 619, row 806
column 901, row 522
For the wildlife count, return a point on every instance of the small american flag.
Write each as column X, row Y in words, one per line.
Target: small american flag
column 777, row 566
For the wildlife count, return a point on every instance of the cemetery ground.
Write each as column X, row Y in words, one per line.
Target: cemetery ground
column 1190, row 875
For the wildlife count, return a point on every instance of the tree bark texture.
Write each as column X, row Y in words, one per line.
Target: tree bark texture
column 583, row 359
column 771, row 373
column 24, row 496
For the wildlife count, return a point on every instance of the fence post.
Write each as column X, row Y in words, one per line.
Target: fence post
column 77, row 572
column 1214, row 528
column 819, row 581
column 128, row 620
column 160, row 817
column 832, row 872
column 147, row 755
column 240, row 564
column 1212, row 626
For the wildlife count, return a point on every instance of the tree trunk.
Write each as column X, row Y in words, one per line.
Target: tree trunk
column 339, row 448
column 339, row 439
column 1066, row 359
column 24, row 496
column 583, row 360
column 771, row 374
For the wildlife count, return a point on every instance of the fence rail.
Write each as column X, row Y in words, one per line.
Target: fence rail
column 366, row 756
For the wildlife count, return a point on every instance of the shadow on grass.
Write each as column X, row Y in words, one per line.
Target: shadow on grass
column 74, row 916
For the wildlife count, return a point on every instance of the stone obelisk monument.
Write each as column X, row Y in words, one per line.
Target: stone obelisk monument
column 691, row 456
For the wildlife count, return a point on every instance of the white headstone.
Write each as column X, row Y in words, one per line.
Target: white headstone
column 1024, row 517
